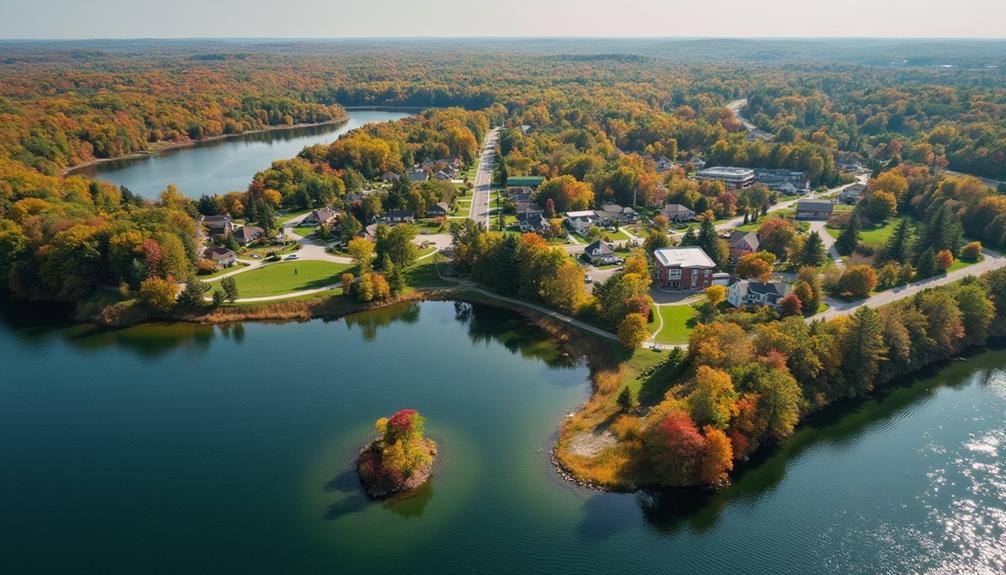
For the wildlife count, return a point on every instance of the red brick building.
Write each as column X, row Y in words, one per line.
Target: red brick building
column 685, row 268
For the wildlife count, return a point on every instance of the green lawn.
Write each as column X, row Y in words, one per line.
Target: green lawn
column 282, row 219
column 303, row 231
column 876, row 237
column 288, row 276
column 676, row 323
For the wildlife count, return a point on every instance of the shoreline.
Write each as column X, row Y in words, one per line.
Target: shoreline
column 171, row 146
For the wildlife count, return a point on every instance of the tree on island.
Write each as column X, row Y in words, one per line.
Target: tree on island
column 400, row 458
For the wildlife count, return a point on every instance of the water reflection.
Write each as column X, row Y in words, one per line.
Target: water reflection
column 489, row 324
column 370, row 322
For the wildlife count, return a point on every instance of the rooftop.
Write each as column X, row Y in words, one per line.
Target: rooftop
column 728, row 171
column 686, row 257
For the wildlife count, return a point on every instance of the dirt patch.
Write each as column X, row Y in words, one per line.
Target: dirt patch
column 591, row 444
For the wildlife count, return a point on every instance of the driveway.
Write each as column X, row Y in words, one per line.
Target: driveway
column 828, row 241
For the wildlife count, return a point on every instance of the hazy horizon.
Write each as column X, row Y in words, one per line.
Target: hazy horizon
column 458, row 19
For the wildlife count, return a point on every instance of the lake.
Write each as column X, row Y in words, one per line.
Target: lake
column 177, row 448
column 227, row 164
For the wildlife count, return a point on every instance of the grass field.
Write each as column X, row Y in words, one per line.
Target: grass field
column 876, row 237
column 280, row 220
column 285, row 277
column 676, row 323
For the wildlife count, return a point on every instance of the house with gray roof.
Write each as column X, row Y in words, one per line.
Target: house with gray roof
column 750, row 292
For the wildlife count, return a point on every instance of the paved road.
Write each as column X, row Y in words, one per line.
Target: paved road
column 991, row 262
column 828, row 241
column 482, row 192
column 735, row 107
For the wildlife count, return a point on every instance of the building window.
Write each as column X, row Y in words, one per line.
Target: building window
column 674, row 274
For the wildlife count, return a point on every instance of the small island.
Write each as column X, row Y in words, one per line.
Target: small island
column 400, row 459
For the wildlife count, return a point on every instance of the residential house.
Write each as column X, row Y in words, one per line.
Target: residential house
column 369, row 232
column 730, row 176
column 664, row 164
column 442, row 176
column 697, row 162
column 427, row 163
column 438, row 210
column 520, row 193
column 223, row 257
column 683, row 268
column 852, row 194
column 398, row 216
column 534, row 221
column 321, row 216
column 814, row 209
column 600, row 253
column 248, row 234
column 580, row 222
column 218, row 226
column 676, row 213
column 622, row 215
column 418, row 176
column 389, row 177
column 742, row 244
column 750, row 292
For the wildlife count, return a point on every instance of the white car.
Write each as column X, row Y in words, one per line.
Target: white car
column 293, row 257
column 587, row 279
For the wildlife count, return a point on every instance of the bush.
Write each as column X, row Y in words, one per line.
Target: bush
column 206, row 267
column 971, row 252
column 157, row 294
column 857, row 281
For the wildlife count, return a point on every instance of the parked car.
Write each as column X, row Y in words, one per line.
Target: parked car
column 587, row 279
column 293, row 257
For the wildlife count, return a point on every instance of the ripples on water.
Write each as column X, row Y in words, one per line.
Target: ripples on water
column 970, row 533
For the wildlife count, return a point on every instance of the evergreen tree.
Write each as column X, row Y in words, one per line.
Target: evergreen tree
column 230, row 287
column 925, row 265
column 849, row 238
column 627, row 399
column 710, row 242
column 689, row 239
column 863, row 350
column 207, row 205
column 898, row 248
column 812, row 253
column 266, row 218
column 400, row 190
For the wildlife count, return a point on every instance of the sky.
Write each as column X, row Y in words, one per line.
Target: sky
column 473, row 18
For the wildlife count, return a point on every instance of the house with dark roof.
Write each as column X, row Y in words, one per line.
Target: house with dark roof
column 398, row 216
column 223, row 257
column 418, row 176
column 369, row 232
column 664, row 164
column 438, row 210
column 677, row 213
column 622, row 215
column 742, row 244
column 750, row 292
column 814, row 209
column 217, row 226
column 852, row 194
column 600, row 253
column 389, row 177
column 248, row 234
column 442, row 176
column 534, row 221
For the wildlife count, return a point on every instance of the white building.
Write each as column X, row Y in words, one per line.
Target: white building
column 730, row 176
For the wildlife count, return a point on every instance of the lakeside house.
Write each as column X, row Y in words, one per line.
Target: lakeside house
column 223, row 257
column 320, row 217
column 438, row 210
column 683, row 268
column 677, row 213
column 749, row 292
column 741, row 244
column 600, row 253
column 217, row 226
column 814, row 209
column 248, row 234
column 730, row 176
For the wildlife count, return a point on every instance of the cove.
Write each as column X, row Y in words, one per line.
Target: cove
column 169, row 448
column 226, row 164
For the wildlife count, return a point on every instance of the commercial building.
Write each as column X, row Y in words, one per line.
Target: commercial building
column 730, row 176
column 683, row 268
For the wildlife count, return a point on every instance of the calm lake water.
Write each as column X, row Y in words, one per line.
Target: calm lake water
column 194, row 449
column 225, row 165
